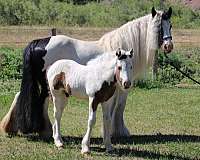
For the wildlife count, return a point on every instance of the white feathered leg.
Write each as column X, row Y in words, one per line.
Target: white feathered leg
column 118, row 127
column 91, row 123
column 107, row 127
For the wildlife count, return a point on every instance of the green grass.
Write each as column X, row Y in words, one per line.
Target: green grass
column 164, row 124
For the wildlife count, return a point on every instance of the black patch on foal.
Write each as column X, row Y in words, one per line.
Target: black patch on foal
column 107, row 90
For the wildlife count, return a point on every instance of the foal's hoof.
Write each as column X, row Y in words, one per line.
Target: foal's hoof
column 59, row 145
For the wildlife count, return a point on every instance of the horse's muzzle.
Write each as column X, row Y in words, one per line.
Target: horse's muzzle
column 167, row 46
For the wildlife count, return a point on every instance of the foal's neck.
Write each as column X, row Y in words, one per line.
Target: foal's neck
column 104, row 67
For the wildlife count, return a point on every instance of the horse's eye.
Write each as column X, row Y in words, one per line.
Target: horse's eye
column 131, row 67
column 119, row 67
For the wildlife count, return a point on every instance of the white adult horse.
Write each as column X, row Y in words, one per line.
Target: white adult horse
column 29, row 113
column 97, row 81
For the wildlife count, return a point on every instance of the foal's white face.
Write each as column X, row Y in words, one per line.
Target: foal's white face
column 124, row 68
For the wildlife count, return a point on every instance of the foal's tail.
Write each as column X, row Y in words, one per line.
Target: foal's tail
column 28, row 110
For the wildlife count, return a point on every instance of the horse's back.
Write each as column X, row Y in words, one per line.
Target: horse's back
column 64, row 47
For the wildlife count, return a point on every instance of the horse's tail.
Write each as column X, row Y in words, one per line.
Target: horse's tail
column 29, row 106
column 7, row 123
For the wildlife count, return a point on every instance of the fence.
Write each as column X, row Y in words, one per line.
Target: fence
column 21, row 35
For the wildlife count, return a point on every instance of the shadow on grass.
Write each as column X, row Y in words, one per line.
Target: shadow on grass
column 138, row 139
column 159, row 138
column 141, row 153
column 133, row 139
column 131, row 151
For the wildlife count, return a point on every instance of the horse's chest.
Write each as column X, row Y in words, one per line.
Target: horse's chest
column 105, row 93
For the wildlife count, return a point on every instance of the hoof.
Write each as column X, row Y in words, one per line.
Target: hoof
column 109, row 149
column 59, row 145
column 85, row 151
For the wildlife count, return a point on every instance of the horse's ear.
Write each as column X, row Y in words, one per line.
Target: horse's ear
column 118, row 52
column 131, row 53
column 153, row 12
column 169, row 12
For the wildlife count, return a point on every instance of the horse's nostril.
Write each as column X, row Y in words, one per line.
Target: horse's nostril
column 127, row 84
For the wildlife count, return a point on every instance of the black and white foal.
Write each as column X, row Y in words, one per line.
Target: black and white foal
column 97, row 80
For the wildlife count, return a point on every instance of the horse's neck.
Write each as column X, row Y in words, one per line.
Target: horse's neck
column 136, row 34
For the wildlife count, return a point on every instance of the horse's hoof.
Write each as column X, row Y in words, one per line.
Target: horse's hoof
column 85, row 151
column 109, row 149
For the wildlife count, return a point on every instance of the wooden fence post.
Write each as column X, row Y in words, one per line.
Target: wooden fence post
column 53, row 32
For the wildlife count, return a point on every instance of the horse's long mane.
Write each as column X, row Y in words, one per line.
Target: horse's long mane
column 140, row 34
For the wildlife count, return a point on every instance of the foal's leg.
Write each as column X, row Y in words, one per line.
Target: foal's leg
column 59, row 101
column 91, row 123
column 107, row 126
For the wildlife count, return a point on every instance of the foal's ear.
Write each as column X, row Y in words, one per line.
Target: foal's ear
column 118, row 52
column 131, row 53
column 169, row 12
column 153, row 12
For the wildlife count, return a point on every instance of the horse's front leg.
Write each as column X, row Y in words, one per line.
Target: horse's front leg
column 91, row 123
column 118, row 127
column 59, row 101
column 107, row 125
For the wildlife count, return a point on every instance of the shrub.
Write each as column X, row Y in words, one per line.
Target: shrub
column 64, row 12
column 10, row 63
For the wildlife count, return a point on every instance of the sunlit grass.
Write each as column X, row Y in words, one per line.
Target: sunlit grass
column 164, row 123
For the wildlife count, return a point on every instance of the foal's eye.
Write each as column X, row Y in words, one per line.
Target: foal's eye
column 119, row 67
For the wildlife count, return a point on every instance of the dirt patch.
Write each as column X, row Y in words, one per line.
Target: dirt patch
column 195, row 4
column 21, row 36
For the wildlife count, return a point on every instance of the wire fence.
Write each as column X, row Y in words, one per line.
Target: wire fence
column 20, row 36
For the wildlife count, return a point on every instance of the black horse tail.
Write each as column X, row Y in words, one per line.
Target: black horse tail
column 29, row 107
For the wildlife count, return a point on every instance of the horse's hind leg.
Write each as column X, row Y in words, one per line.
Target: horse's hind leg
column 46, row 131
column 59, row 101
column 91, row 123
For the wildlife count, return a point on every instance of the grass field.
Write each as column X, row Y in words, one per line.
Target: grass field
column 164, row 124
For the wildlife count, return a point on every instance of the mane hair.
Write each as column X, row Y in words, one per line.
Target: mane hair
column 141, row 35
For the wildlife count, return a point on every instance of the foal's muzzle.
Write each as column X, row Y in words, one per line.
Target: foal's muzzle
column 127, row 84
